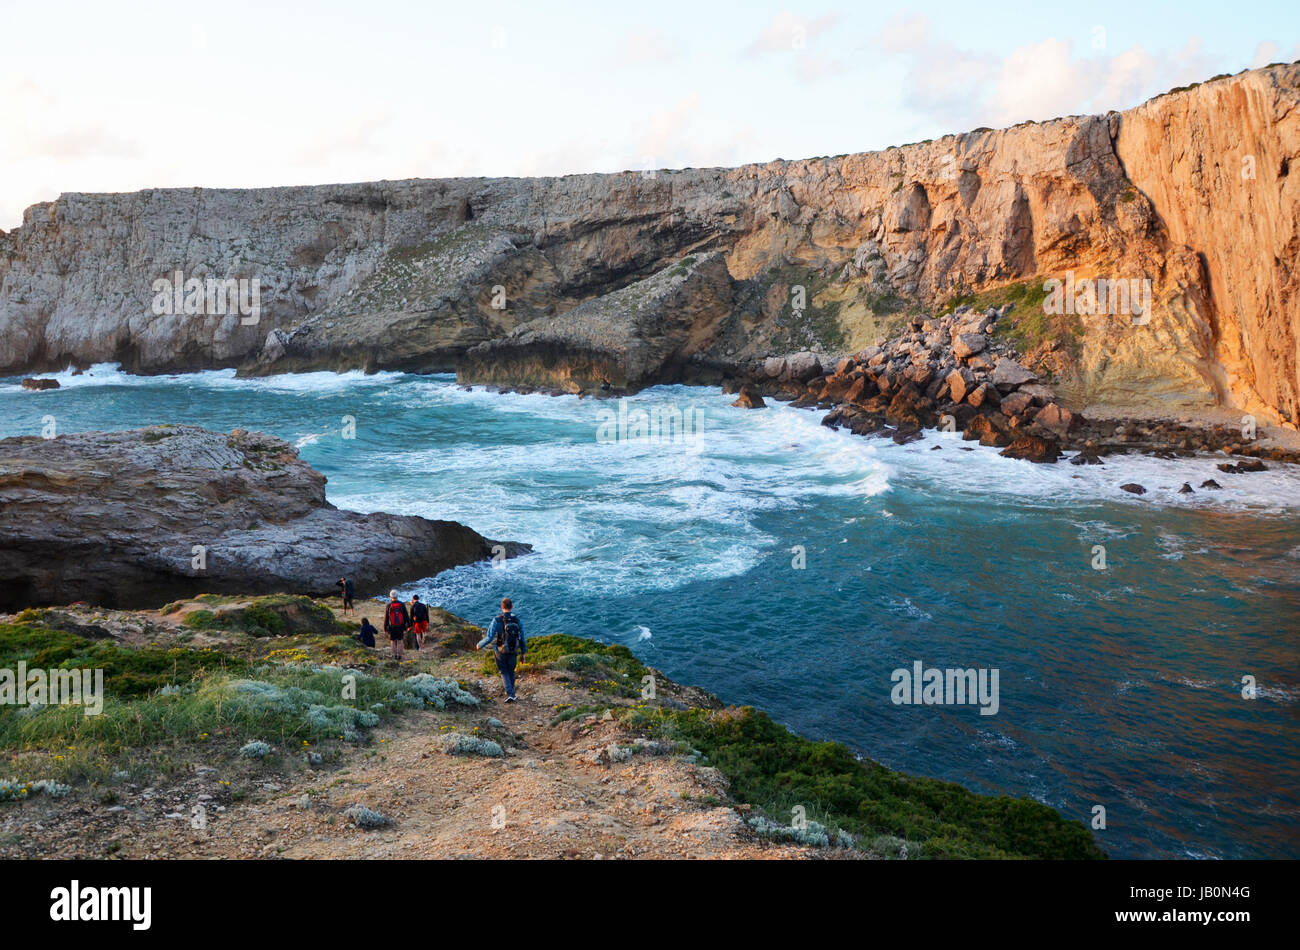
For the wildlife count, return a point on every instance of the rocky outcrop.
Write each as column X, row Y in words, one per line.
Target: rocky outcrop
column 830, row 255
column 648, row 332
column 150, row 515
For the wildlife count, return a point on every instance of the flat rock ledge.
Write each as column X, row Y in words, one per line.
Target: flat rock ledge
column 146, row 516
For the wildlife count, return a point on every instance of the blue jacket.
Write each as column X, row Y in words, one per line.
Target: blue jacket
column 495, row 627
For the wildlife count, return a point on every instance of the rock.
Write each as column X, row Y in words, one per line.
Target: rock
column 1042, row 395
column 774, row 367
column 1056, row 418
column 1034, row 448
column 1211, row 484
column 751, row 399
column 1186, row 489
column 1016, row 403
column 802, row 367
column 1009, row 373
column 982, row 428
column 39, row 385
column 255, row 510
column 1086, row 456
column 960, row 382
column 845, row 366
column 968, row 344
column 1133, row 487
column 983, row 393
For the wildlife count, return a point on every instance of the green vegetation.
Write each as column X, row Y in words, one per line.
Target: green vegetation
column 774, row 769
column 270, row 616
column 599, row 667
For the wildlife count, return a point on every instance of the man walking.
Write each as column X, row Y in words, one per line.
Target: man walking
column 419, row 620
column 396, row 620
column 506, row 634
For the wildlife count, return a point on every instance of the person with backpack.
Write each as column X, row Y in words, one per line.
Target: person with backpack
column 367, row 634
column 506, row 634
column 396, row 622
column 346, row 589
column 419, row 620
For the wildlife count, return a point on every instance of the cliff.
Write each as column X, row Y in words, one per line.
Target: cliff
column 830, row 254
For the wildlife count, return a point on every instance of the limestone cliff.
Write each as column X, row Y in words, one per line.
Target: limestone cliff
column 823, row 253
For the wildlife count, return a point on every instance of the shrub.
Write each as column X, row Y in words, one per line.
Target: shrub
column 364, row 817
column 455, row 743
column 255, row 750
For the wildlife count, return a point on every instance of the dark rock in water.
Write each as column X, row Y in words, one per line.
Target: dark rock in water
column 935, row 448
column 1251, row 465
column 1211, row 484
column 1034, row 448
column 38, row 385
column 1186, row 489
column 1087, row 456
column 983, row 428
column 750, row 398
column 908, row 434
column 1228, row 467
column 806, row 401
column 146, row 516
column 1134, row 487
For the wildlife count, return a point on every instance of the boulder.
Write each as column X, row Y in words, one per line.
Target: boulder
column 982, row 394
column 1007, row 372
column 968, row 344
column 38, row 385
column 774, row 367
column 750, row 398
column 1134, row 488
column 982, row 428
column 1056, row 418
column 802, row 367
column 960, row 382
column 1033, row 448
column 1013, row 404
column 1211, row 484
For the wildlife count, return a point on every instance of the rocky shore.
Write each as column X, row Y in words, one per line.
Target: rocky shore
column 154, row 514
column 957, row 373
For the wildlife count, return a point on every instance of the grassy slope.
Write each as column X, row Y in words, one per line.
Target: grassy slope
column 162, row 704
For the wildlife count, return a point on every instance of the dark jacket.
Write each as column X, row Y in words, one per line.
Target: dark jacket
column 346, row 585
column 367, row 634
column 396, row 619
column 497, row 626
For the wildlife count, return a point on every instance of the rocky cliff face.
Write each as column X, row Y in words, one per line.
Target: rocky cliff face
column 119, row 518
column 565, row 278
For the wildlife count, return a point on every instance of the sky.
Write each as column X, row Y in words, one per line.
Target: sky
column 117, row 97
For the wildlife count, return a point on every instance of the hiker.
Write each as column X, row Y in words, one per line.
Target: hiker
column 367, row 634
column 396, row 622
column 506, row 635
column 419, row 620
column 345, row 587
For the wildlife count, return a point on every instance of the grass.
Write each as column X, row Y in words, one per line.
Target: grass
column 1026, row 326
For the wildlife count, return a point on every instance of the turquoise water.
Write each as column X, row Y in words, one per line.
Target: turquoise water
column 1118, row 687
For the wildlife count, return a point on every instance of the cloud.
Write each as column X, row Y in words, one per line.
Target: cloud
column 787, row 32
column 961, row 89
column 646, row 48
